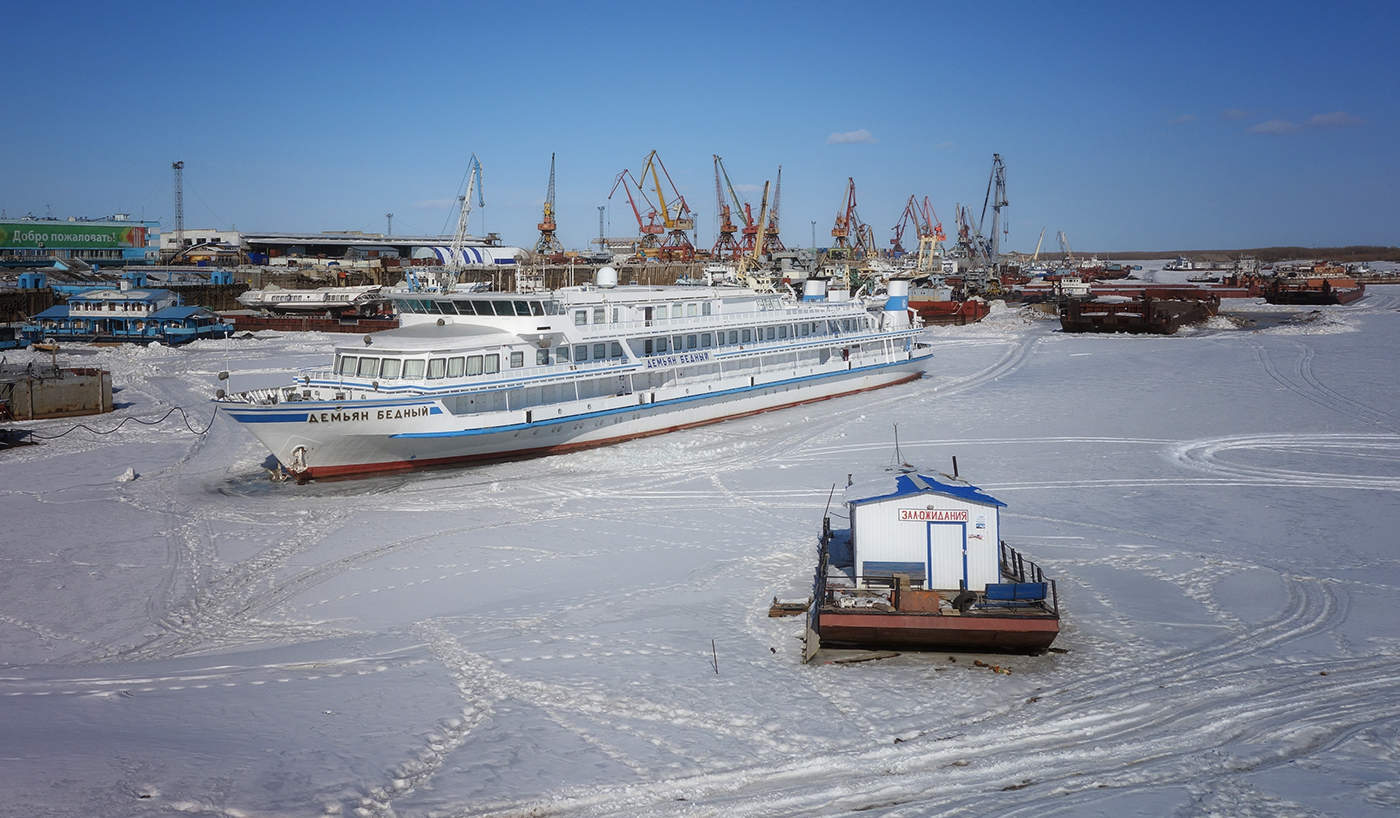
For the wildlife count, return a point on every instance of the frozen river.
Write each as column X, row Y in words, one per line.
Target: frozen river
column 1220, row 509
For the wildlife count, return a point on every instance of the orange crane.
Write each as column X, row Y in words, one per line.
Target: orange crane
column 649, row 230
column 676, row 216
column 548, row 243
column 853, row 237
column 771, row 242
column 725, row 244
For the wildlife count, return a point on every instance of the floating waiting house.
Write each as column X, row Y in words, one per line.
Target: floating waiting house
column 922, row 566
column 125, row 313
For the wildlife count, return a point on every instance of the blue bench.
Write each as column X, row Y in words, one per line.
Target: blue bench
column 1009, row 594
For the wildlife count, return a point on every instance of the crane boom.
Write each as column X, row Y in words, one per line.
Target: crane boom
column 459, row 239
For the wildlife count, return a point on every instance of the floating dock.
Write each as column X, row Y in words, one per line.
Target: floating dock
column 37, row 391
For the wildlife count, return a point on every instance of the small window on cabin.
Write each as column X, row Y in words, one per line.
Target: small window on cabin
column 447, row 308
column 437, row 367
column 677, row 343
column 802, row 330
column 705, row 308
column 599, row 315
column 465, row 308
column 522, row 307
column 413, row 368
column 657, row 313
column 505, row 308
column 389, row 371
column 617, row 313
column 431, row 307
column 615, row 349
column 580, row 317
column 541, row 357
column 456, row 366
column 536, row 308
column 675, row 310
column 747, row 336
column 517, row 359
column 734, row 336
column 706, row 340
column 474, row 365
column 782, row 331
column 369, row 367
column 561, row 354
column 347, row 364
column 691, row 342
column 553, row 308
column 600, row 352
column 646, row 347
column 691, row 310
column 493, row 363
column 581, row 353
column 771, row 333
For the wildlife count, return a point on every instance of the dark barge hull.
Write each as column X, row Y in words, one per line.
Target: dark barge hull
column 950, row 312
column 1315, row 297
column 303, row 323
column 931, row 631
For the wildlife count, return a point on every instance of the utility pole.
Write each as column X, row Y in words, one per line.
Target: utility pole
column 602, row 241
column 389, row 229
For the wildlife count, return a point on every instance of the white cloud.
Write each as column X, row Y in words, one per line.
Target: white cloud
column 850, row 137
column 1183, row 119
column 1274, row 126
column 1336, row 119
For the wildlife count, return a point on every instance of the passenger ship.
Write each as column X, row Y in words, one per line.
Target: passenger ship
column 479, row 376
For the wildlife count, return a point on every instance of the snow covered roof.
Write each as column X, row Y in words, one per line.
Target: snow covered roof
column 179, row 313
column 906, row 481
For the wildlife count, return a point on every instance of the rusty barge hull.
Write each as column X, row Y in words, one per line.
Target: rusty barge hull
column 933, row 631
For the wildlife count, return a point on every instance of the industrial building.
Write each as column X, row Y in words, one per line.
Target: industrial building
column 113, row 241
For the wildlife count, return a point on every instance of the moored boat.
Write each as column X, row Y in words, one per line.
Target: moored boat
column 1329, row 290
column 478, row 376
column 921, row 565
column 125, row 314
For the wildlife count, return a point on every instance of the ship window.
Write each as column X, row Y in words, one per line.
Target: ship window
column 675, row 310
column 436, row 367
column 368, row 367
column 447, row 307
column 771, row 333
column 599, row 315
column 517, row 359
column 347, row 364
column 580, row 317
column 600, row 351
column 706, row 340
column 691, row 342
column 705, row 308
column 553, row 308
column 536, row 308
column 561, row 354
column 493, row 363
column 646, row 347
column 456, row 366
column 474, row 365
column 522, row 307
column 677, row 343
column 657, row 313
column 617, row 311
column 748, row 335
column 734, row 336
column 413, row 368
column 390, row 369
column 430, row 307
column 615, row 349
column 802, row 330
column 542, row 357
column 691, row 309
column 581, row 353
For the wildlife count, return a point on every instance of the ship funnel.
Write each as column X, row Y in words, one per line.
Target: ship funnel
column 606, row 277
column 814, row 289
column 897, row 303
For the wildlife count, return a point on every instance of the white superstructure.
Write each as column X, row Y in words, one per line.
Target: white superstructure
column 473, row 376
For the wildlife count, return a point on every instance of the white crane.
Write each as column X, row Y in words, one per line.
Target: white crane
column 459, row 240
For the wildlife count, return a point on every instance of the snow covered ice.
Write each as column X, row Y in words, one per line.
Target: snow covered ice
column 1219, row 508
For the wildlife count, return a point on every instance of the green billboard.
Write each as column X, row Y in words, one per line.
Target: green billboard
column 74, row 236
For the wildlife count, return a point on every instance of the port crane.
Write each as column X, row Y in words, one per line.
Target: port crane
column 1065, row 248
column 726, row 243
column 649, row 230
column 996, row 197
column 548, row 243
column 771, row 242
column 459, row 239
column 676, row 216
column 853, row 237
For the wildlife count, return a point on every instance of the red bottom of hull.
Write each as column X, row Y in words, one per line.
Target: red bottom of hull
column 950, row 312
column 520, row 454
column 882, row 629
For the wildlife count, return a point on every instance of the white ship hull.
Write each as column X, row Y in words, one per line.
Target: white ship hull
column 328, row 439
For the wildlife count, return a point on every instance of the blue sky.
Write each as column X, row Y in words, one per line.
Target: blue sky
column 1182, row 125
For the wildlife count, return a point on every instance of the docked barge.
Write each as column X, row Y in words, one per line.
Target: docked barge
column 922, row 566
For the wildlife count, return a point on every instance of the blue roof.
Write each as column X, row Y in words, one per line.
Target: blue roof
column 56, row 311
column 908, row 482
column 176, row 313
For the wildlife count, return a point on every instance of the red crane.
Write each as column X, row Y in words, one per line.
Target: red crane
column 676, row 220
column 649, row 230
column 771, row 242
column 725, row 243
